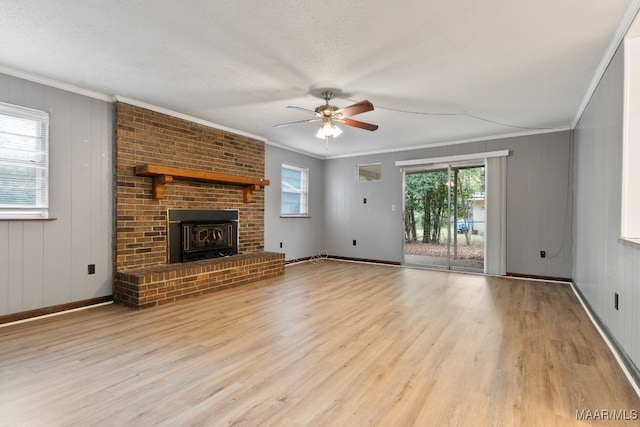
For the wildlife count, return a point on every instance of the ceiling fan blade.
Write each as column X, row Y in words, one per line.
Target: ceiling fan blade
column 352, row 110
column 317, row 119
column 358, row 124
column 304, row 110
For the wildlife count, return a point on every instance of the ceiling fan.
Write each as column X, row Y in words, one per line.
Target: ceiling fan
column 329, row 115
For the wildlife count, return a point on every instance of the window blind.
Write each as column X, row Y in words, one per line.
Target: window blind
column 24, row 162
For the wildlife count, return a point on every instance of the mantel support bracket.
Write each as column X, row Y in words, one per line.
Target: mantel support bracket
column 248, row 192
column 158, row 185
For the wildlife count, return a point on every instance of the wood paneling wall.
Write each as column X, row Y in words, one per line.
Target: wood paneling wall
column 300, row 237
column 539, row 203
column 603, row 265
column 44, row 263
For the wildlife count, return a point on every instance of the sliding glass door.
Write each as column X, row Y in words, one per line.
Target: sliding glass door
column 445, row 216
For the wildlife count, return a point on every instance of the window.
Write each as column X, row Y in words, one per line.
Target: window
column 630, row 223
column 295, row 190
column 370, row 172
column 24, row 162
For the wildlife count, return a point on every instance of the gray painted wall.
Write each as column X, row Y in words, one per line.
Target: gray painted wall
column 539, row 215
column 375, row 226
column 300, row 237
column 603, row 265
column 44, row 263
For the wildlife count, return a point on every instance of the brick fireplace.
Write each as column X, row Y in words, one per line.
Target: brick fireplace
column 143, row 276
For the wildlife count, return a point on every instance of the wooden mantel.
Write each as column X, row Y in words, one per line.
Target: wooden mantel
column 165, row 174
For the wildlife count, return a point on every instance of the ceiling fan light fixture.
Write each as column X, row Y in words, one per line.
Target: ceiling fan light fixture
column 328, row 130
column 323, row 132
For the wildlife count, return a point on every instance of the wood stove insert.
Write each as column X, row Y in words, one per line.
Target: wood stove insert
column 196, row 234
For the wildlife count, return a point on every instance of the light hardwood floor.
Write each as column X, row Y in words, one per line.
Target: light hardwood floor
column 328, row 344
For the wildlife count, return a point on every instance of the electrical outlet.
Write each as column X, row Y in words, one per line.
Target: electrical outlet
column 354, row 242
column 91, row 269
column 615, row 301
column 280, row 245
column 543, row 254
column 365, row 201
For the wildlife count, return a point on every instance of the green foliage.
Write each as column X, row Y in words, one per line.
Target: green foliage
column 426, row 196
column 426, row 201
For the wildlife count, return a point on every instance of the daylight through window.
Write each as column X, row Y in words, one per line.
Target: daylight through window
column 295, row 189
column 24, row 162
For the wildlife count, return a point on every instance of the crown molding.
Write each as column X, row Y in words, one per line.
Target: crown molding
column 117, row 98
column 455, row 142
column 54, row 83
column 162, row 110
column 618, row 37
column 293, row 150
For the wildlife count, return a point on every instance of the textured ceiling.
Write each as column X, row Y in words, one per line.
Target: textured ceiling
column 437, row 71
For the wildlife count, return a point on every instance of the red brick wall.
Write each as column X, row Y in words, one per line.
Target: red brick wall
column 145, row 136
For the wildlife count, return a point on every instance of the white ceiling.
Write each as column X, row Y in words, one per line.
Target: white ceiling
column 433, row 68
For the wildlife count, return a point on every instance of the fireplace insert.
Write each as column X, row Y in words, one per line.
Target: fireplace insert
column 196, row 234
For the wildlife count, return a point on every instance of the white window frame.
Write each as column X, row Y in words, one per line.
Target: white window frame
column 40, row 208
column 302, row 192
column 630, row 223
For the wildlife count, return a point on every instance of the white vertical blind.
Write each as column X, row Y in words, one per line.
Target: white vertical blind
column 24, row 162
column 496, row 204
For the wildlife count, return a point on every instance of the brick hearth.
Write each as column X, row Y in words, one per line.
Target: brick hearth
column 151, row 286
